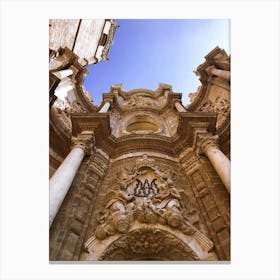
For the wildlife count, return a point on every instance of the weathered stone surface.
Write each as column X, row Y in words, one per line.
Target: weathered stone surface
column 151, row 184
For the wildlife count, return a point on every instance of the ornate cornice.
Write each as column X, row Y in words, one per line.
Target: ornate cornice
column 116, row 147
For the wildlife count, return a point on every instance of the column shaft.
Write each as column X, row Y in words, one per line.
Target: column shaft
column 62, row 179
column 220, row 163
column 105, row 107
column 180, row 107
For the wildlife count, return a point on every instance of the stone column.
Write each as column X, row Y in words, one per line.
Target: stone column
column 180, row 107
column 217, row 72
column 209, row 146
column 61, row 74
column 105, row 107
column 62, row 179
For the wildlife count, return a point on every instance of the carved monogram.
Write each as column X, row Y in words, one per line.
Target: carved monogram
column 148, row 195
column 146, row 188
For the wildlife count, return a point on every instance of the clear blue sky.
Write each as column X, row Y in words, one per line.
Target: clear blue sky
column 148, row 52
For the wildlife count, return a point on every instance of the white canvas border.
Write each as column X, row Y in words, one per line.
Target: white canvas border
column 255, row 138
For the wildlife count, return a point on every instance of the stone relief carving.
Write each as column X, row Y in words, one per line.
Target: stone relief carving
column 139, row 101
column 220, row 106
column 145, row 244
column 148, row 195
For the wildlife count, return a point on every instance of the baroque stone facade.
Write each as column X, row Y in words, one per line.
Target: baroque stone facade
column 142, row 177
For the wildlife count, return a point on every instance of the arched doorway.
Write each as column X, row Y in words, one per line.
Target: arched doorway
column 148, row 244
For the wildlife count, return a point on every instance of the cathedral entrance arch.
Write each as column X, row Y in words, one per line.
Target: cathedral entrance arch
column 148, row 244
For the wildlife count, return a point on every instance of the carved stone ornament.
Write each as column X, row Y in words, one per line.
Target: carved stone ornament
column 139, row 101
column 220, row 106
column 205, row 141
column 146, row 244
column 147, row 195
column 84, row 141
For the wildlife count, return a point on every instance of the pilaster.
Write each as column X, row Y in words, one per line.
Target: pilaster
column 208, row 206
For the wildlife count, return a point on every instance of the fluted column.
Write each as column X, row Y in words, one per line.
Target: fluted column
column 105, row 107
column 180, row 107
column 209, row 146
column 217, row 72
column 62, row 179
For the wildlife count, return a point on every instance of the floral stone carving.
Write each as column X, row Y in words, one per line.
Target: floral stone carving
column 147, row 195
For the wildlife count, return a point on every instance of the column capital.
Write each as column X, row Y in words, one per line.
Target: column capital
column 85, row 140
column 205, row 141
